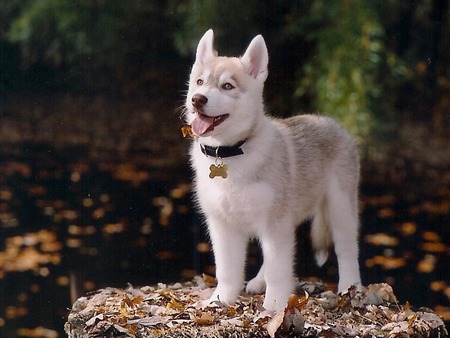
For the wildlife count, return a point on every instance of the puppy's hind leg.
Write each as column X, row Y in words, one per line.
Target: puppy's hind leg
column 258, row 283
column 342, row 214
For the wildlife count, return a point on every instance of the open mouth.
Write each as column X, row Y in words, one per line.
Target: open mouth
column 204, row 124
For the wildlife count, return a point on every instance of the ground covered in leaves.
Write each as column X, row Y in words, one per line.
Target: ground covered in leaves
column 175, row 311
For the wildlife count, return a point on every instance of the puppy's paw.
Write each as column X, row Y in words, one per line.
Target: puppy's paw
column 256, row 286
column 208, row 303
column 220, row 298
column 277, row 304
column 347, row 287
column 276, row 297
column 347, row 282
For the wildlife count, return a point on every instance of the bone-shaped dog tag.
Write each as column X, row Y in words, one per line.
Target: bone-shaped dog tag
column 218, row 170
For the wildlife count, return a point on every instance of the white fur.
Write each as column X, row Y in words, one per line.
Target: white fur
column 291, row 170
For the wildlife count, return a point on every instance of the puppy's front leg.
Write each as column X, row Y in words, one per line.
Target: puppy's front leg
column 229, row 246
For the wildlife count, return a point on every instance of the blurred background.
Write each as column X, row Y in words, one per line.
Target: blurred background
column 95, row 186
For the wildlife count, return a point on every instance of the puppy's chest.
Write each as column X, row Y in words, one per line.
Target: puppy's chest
column 233, row 199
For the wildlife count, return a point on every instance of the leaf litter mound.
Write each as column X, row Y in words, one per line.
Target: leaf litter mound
column 176, row 311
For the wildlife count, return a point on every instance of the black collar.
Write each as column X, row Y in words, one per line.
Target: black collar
column 223, row 151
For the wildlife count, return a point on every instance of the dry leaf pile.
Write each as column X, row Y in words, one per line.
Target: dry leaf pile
column 175, row 311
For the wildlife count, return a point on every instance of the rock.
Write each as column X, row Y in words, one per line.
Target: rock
column 175, row 311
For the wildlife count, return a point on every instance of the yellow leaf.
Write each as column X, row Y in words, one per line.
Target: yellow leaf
column 296, row 302
column 205, row 319
column 174, row 305
column 127, row 301
column 412, row 319
column 136, row 300
column 187, row 131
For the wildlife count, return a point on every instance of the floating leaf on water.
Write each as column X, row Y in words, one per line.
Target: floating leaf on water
column 433, row 247
column 439, row 286
column 381, row 239
column 388, row 263
column 386, row 213
column 431, row 236
column 380, row 200
column 37, row 332
column 408, row 228
column 427, row 264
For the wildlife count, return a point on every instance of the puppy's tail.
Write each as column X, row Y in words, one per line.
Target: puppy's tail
column 320, row 235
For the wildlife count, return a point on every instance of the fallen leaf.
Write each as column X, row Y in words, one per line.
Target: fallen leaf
column 296, row 302
column 274, row 324
column 149, row 321
column 174, row 305
column 94, row 319
column 205, row 319
column 121, row 329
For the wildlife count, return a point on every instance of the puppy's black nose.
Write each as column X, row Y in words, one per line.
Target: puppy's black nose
column 199, row 100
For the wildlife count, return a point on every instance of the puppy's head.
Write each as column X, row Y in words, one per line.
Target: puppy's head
column 224, row 99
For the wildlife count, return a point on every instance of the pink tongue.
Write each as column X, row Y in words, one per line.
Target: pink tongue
column 201, row 124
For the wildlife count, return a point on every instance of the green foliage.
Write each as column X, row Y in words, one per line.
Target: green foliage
column 227, row 18
column 345, row 58
column 195, row 19
column 91, row 44
column 343, row 76
column 102, row 32
column 59, row 32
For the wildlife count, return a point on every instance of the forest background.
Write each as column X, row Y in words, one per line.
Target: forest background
column 369, row 64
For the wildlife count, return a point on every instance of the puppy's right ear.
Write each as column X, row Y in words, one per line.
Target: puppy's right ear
column 205, row 50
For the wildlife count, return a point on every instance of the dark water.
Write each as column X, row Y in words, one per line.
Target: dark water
column 69, row 220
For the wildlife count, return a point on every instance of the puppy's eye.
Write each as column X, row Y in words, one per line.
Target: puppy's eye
column 227, row 86
column 199, row 82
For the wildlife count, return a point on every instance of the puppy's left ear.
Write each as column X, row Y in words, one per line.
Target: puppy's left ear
column 256, row 58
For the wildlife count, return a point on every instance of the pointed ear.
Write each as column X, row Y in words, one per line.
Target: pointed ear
column 256, row 58
column 205, row 50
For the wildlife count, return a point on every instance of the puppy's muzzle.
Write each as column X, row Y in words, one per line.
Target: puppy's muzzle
column 199, row 101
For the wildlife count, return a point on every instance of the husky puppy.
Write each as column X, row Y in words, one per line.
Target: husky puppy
column 260, row 177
